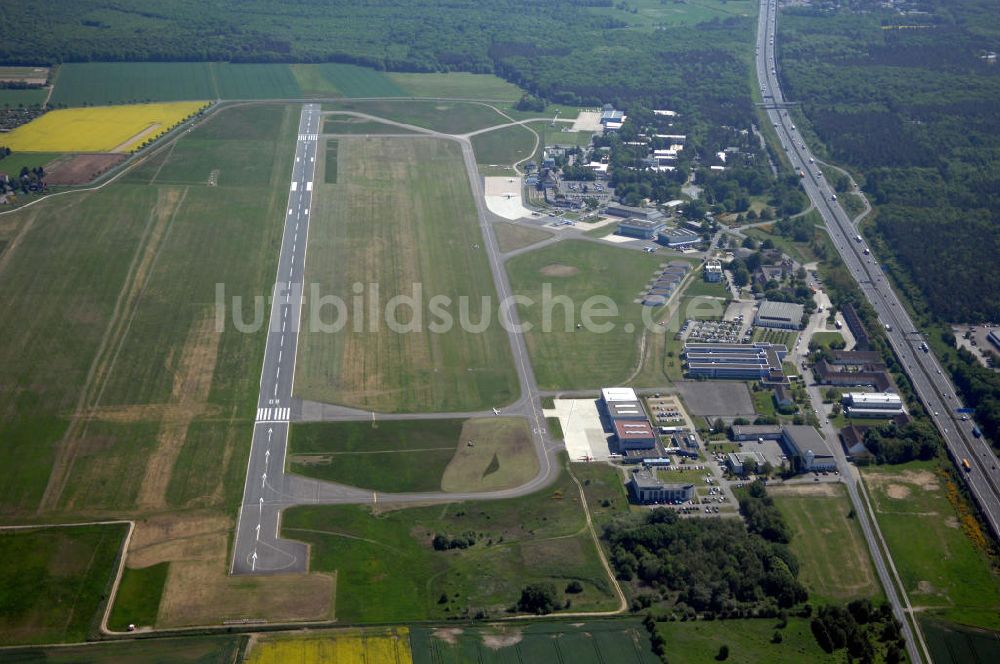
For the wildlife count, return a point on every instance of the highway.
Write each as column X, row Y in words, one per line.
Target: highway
column 930, row 380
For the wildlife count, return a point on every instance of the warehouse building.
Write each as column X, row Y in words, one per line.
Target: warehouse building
column 678, row 237
column 781, row 315
column 645, row 488
column 612, row 394
column 643, row 229
column 756, row 432
column 759, row 360
column 742, row 463
column 625, row 410
column 634, row 435
column 807, row 449
column 872, row 404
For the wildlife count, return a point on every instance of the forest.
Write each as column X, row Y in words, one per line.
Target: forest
column 560, row 50
column 908, row 101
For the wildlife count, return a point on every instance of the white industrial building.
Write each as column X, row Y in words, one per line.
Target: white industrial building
column 713, row 271
column 872, row 404
column 612, row 394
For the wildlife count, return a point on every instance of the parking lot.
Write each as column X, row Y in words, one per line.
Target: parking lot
column 715, row 331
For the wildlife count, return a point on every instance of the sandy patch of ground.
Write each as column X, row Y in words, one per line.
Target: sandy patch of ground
column 503, row 197
column 448, row 635
column 952, row 522
column 81, row 168
column 198, row 590
column 136, row 139
column 559, row 270
column 826, row 489
column 897, row 491
column 503, row 640
column 587, row 121
column 192, row 381
column 619, row 239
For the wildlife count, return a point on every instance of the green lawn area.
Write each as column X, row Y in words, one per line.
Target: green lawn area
column 954, row 644
column 401, row 217
column 346, row 124
column 834, row 563
column 202, row 649
column 749, row 641
column 52, row 588
column 825, row 339
column 606, row 641
column 581, row 270
column 763, row 403
column 457, row 85
column 388, row 571
column 698, row 287
column 604, row 487
column 504, row 146
column 451, row 117
column 138, row 598
column 798, row 251
column 15, row 161
column 418, row 455
column 941, row 568
column 511, row 236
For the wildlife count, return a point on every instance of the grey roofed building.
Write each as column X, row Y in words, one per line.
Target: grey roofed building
column 810, row 449
column 625, row 410
column 646, row 488
column 755, row 431
column 678, row 237
column 856, row 357
column 645, row 229
column 629, row 212
column 784, row 315
column 856, row 326
column 759, row 360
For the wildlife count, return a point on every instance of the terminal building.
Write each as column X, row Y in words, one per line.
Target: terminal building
column 646, row 488
column 753, row 361
column 781, row 315
column 872, row 404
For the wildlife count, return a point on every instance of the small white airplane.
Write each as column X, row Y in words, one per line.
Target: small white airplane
column 587, row 458
column 496, row 411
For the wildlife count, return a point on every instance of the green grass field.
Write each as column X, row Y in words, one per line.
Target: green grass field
column 345, row 124
column 834, row 563
column 333, row 79
column 512, row 236
column 15, row 161
column 942, row 570
column 402, row 217
column 450, row 117
column 580, row 270
column 824, row 339
column 456, row 85
column 14, row 98
column 129, row 278
column 186, row 650
column 604, row 487
column 418, row 455
column 52, row 588
column 605, row 641
column 749, row 641
column 698, row 287
column 138, row 598
column 504, row 146
column 559, row 134
column 387, row 570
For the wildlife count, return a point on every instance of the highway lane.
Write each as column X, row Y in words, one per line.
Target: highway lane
column 930, row 380
column 257, row 548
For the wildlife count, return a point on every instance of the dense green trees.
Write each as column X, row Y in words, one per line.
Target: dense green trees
column 860, row 627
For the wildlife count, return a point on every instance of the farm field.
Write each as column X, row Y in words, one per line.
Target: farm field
column 942, row 568
column 449, row 117
column 493, row 453
column 387, row 569
column 13, row 97
column 55, row 591
column 186, row 650
column 456, row 85
column 99, row 129
column 953, row 644
column 104, row 83
column 401, row 220
column 333, row 79
column 504, row 146
column 581, row 270
column 698, row 642
column 511, row 236
column 14, row 162
column 834, row 562
column 373, row 646
column 31, row 75
column 607, row 641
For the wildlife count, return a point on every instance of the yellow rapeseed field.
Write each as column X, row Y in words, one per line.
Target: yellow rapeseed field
column 98, row 128
column 340, row 647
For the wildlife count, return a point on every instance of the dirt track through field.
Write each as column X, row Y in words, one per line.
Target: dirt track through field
column 147, row 250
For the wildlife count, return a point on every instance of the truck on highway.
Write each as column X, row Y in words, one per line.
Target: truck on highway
column 924, row 347
column 857, row 238
column 888, row 328
column 965, row 466
column 976, row 432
